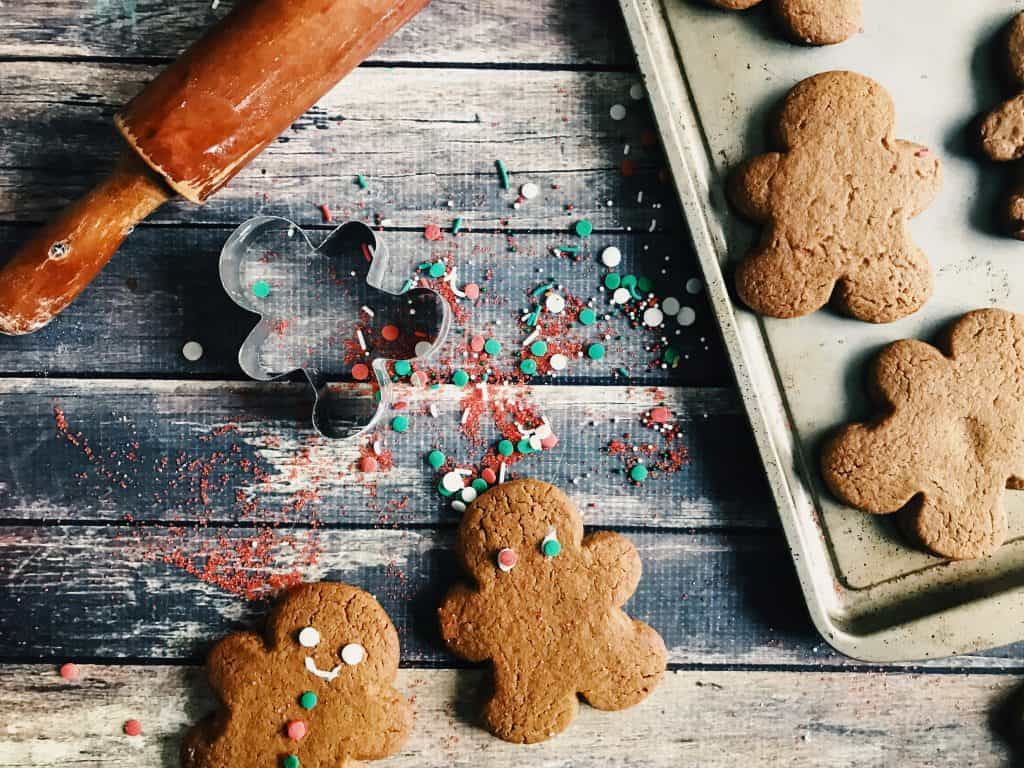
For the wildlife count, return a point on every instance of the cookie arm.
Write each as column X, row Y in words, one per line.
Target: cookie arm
column 235, row 663
column 749, row 186
column 615, row 566
column 921, row 172
column 1002, row 132
column 465, row 623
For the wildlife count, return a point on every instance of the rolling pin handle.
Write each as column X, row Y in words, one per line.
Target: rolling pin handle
column 60, row 260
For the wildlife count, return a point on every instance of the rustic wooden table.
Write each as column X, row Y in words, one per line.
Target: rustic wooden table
column 142, row 494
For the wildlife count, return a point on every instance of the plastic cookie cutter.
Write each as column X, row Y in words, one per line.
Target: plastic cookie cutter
column 330, row 312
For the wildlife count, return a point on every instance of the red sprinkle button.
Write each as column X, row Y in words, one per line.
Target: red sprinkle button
column 661, row 415
column 507, row 559
column 472, row 291
column 132, row 727
column 368, row 464
column 489, row 476
column 432, row 232
column 360, row 371
column 477, row 343
column 296, row 730
column 69, row 671
column 389, row 332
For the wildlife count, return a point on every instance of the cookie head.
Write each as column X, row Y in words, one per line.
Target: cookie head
column 841, row 101
column 335, row 634
column 525, row 524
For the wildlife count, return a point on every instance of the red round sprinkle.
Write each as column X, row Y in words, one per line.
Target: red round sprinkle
column 489, row 476
column 628, row 167
column 477, row 343
column 472, row 291
column 661, row 415
column 69, row 671
column 132, row 727
column 368, row 464
column 360, row 371
column 549, row 442
column 432, row 232
column 508, row 558
column 296, row 730
column 389, row 332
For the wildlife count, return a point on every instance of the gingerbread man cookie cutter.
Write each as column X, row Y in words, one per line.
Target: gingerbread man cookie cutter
column 329, row 311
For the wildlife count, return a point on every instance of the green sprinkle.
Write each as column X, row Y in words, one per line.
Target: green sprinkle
column 584, row 228
column 534, row 317
column 400, row 424
column 573, row 249
column 460, row 378
column 376, row 396
column 524, row 447
column 541, row 289
column 361, row 181
column 457, row 226
column 628, row 281
column 442, row 490
column 639, row 473
column 436, row 459
column 292, row 761
column 425, row 265
column 479, row 485
column 624, row 372
column 408, row 284
column 492, row 346
column 307, row 700
column 502, row 174
column 528, row 366
column 437, row 269
column 670, row 355
column 539, row 348
column 644, row 284
column 551, row 548
column 635, row 294
column 261, row 289
column 588, row 316
column 505, row 448
column 595, row 351
column 612, row 281
column 403, row 368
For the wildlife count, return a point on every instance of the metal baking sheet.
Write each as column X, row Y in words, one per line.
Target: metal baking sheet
column 714, row 78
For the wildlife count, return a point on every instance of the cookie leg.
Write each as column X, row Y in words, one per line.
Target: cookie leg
column 780, row 281
column 631, row 669
column 821, row 22
column 526, row 709
column 962, row 528
column 883, row 292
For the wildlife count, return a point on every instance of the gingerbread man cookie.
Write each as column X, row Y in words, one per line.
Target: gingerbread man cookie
column 817, row 22
column 1002, row 132
column 951, row 438
column 834, row 206
column 545, row 609
column 316, row 693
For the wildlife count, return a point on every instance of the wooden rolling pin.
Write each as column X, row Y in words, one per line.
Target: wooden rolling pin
column 193, row 128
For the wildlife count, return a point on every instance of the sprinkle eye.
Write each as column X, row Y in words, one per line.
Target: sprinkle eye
column 353, row 654
column 551, row 546
column 507, row 559
column 309, row 637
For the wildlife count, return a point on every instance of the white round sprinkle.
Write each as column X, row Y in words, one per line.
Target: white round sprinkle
column 618, row 112
column 637, row 91
column 670, row 306
column 469, row 494
column 452, row 482
column 458, row 506
column 621, row 295
column 543, row 431
column 422, row 348
column 309, row 637
column 693, row 285
column 611, row 257
column 559, row 362
column 192, row 351
column 529, row 190
column 686, row 316
column 535, row 443
column 555, row 303
column 653, row 317
column 353, row 654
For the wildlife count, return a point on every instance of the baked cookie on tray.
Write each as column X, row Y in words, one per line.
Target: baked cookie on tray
column 545, row 609
column 949, row 439
column 834, row 206
column 316, row 691
column 817, row 22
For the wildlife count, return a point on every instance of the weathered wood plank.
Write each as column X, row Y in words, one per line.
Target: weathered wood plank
column 153, row 450
column 706, row 718
column 107, row 592
column 553, row 32
column 165, row 290
column 421, row 137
